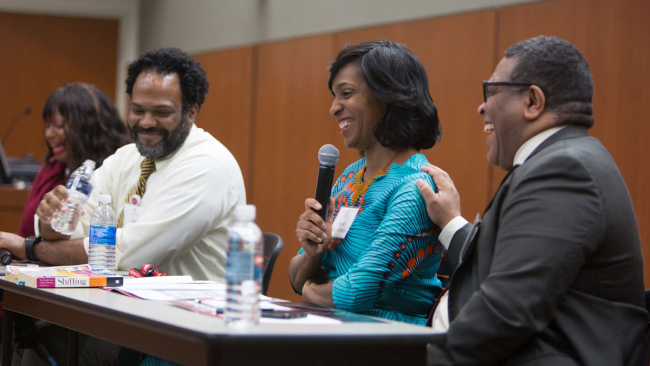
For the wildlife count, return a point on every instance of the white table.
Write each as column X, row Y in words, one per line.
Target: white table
column 182, row 336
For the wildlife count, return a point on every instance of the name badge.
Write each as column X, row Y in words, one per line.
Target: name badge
column 344, row 221
column 131, row 214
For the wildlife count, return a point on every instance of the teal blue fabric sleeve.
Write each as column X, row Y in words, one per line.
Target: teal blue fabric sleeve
column 402, row 242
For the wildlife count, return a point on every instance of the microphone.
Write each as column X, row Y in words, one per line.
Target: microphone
column 328, row 155
column 13, row 122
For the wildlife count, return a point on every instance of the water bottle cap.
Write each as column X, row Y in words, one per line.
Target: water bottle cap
column 89, row 163
column 104, row 198
column 245, row 213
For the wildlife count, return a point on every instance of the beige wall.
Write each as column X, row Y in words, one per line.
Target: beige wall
column 205, row 25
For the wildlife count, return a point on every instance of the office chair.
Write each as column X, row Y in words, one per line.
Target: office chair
column 642, row 355
column 273, row 244
column 645, row 355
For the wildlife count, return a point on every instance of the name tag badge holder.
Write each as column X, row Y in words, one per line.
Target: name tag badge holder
column 132, row 210
column 344, row 220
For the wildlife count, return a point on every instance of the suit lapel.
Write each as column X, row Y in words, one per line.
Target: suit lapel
column 471, row 239
column 499, row 189
column 569, row 132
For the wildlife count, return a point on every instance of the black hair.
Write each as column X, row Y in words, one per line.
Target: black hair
column 93, row 127
column 398, row 79
column 166, row 61
column 559, row 69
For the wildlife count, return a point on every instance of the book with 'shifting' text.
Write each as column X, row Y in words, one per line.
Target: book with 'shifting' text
column 13, row 270
column 67, row 276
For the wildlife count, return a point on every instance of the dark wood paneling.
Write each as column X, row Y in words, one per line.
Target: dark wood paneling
column 457, row 54
column 292, row 123
column 614, row 37
column 41, row 53
column 11, row 208
column 227, row 108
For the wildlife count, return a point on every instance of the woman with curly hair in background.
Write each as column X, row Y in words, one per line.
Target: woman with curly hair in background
column 80, row 123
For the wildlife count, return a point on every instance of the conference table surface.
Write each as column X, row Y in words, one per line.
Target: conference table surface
column 188, row 338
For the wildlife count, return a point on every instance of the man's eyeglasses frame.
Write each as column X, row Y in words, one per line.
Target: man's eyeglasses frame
column 501, row 83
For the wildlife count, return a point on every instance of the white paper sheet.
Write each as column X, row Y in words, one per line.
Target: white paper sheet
column 168, row 288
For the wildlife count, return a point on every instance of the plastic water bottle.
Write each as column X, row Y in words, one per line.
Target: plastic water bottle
column 79, row 189
column 244, row 269
column 103, row 226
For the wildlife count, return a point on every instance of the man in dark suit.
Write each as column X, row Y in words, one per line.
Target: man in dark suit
column 554, row 273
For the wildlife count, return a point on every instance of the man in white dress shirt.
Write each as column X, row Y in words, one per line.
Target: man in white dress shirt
column 553, row 275
column 179, row 222
column 178, row 219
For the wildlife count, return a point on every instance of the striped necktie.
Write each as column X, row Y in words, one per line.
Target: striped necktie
column 147, row 167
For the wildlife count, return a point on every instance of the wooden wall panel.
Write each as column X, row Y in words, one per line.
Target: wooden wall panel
column 448, row 49
column 11, row 208
column 457, row 54
column 614, row 37
column 292, row 122
column 41, row 53
column 226, row 113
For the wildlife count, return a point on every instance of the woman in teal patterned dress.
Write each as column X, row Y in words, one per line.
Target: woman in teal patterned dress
column 386, row 264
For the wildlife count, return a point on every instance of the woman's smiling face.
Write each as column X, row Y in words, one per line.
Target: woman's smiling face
column 357, row 111
column 55, row 136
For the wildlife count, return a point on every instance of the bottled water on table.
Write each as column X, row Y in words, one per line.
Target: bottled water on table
column 103, row 226
column 79, row 189
column 244, row 269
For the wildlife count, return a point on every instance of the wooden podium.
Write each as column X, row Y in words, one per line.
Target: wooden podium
column 12, row 202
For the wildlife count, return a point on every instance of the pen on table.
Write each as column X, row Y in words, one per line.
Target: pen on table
column 216, row 310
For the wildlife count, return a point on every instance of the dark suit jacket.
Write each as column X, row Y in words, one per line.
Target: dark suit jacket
column 555, row 274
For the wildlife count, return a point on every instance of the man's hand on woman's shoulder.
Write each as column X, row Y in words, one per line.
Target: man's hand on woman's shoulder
column 444, row 205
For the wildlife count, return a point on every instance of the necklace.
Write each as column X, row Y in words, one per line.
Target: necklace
column 361, row 188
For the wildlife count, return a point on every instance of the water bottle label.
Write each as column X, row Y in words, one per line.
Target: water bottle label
column 242, row 266
column 102, row 235
column 82, row 186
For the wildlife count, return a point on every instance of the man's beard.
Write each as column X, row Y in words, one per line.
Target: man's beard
column 170, row 141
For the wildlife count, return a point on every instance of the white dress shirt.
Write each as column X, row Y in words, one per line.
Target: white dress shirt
column 187, row 207
column 440, row 321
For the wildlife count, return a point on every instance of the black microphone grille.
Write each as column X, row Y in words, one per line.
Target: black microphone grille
column 328, row 155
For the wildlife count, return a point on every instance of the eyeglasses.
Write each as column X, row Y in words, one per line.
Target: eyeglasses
column 498, row 83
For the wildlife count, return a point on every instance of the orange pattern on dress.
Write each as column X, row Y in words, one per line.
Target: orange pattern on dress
column 412, row 262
